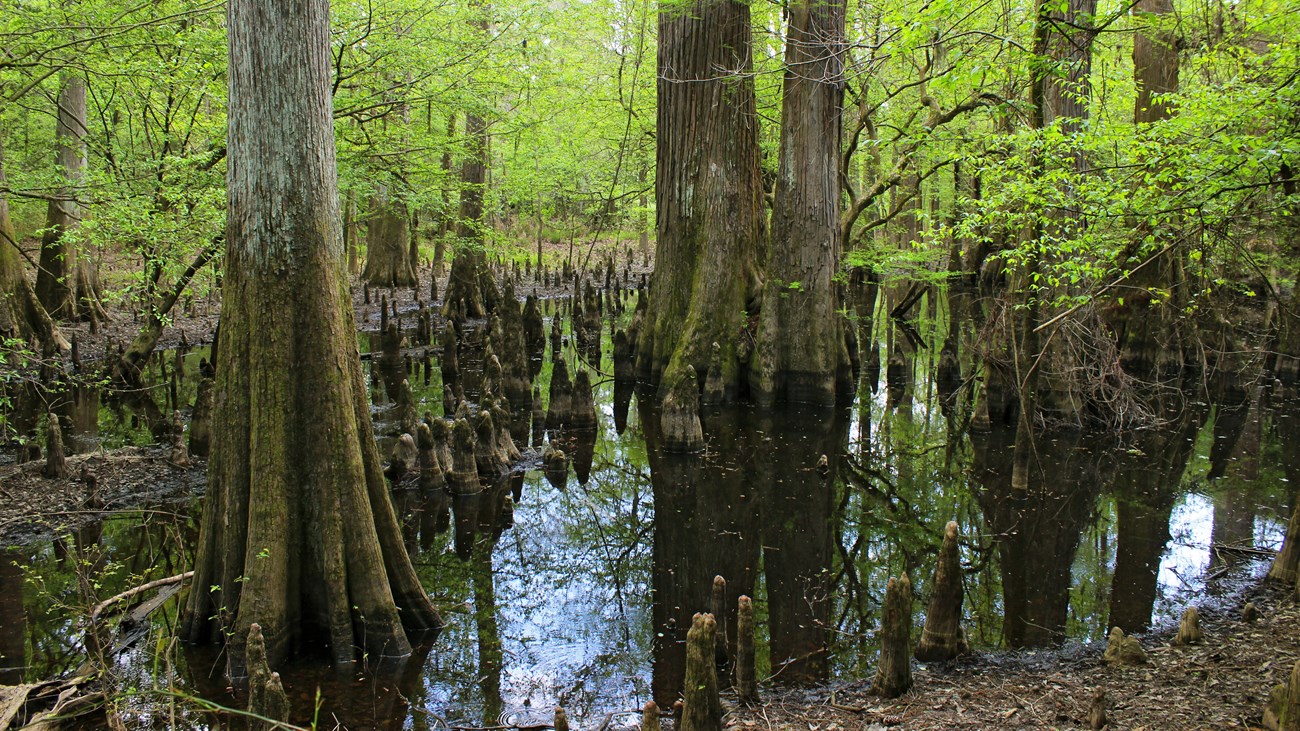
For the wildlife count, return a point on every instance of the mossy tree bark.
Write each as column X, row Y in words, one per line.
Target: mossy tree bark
column 708, row 193
column 65, row 283
column 388, row 263
column 21, row 313
column 298, row 532
column 801, row 354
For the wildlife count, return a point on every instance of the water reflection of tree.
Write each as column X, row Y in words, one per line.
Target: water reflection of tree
column 1147, row 482
column 13, row 618
column 1037, row 529
column 762, row 490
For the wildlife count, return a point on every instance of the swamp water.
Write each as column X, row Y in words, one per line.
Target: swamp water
column 578, row 592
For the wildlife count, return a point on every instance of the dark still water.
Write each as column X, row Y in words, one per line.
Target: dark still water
column 560, row 591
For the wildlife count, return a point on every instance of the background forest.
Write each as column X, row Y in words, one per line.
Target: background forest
column 945, row 166
column 1057, row 213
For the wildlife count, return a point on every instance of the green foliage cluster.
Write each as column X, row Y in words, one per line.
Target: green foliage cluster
column 940, row 153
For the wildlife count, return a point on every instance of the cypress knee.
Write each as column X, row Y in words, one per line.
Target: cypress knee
column 703, row 707
column 463, row 477
column 487, row 452
column 715, row 388
column 431, row 476
column 680, row 417
column 404, row 455
column 650, row 717
column 894, row 675
column 1123, row 650
column 746, row 674
column 266, row 696
column 180, row 454
column 1189, row 628
column 718, row 608
column 1097, row 710
column 555, row 465
column 1291, row 713
column 942, row 638
column 56, row 465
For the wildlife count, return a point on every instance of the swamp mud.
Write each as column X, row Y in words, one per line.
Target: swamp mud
column 569, row 546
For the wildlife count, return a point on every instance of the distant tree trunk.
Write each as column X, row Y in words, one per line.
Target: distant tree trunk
column 350, row 234
column 66, row 283
column 708, row 194
column 469, row 265
column 1061, row 90
column 1065, row 76
column 126, row 371
column 298, row 533
column 801, row 353
column 21, row 314
column 388, row 263
column 1146, row 326
column 643, row 238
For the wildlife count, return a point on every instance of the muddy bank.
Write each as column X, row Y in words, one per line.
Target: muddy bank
column 1222, row 683
column 133, row 478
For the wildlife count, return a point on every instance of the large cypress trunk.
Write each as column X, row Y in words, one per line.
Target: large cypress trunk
column 65, row 283
column 708, row 194
column 801, row 353
column 298, row 532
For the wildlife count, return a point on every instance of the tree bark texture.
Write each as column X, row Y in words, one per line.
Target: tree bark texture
column 388, row 263
column 65, row 283
column 298, row 532
column 708, row 193
column 21, row 313
column 801, row 354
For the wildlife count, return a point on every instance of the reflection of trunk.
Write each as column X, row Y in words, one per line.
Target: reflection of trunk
column 801, row 355
column 1287, row 424
column 1145, row 486
column 388, row 263
column 66, row 283
column 798, row 503
column 705, row 513
column 490, row 656
column 708, row 194
column 13, row 619
column 1038, row 530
